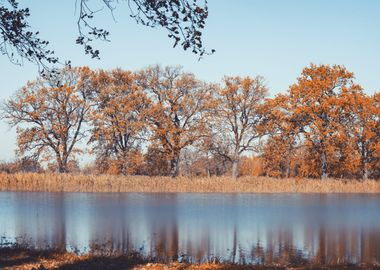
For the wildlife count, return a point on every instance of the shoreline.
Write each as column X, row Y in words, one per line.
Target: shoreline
column 50, row 182
column 24, row 258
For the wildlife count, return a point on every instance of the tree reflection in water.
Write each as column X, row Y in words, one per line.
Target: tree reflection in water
column 192, row 228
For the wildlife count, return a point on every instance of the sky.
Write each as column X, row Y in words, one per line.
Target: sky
column 272, row 38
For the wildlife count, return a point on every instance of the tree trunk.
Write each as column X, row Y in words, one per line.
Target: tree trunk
column 235, row 167
column 363, row 162
column 324, row 174
column 208, row 167
column 174, row 165
column 208, row 171
column 123, row 162
column 123, row 168
column 287, row 171
column 62, row 164
column 62, row 168
column 365, row 172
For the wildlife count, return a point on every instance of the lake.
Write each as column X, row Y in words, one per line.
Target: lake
column 241, row 228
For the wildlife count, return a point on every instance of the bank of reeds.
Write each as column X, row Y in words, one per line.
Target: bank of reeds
column 20, row 258
column 111, row 183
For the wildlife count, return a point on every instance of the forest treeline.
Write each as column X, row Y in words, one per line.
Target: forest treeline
column 164, row 121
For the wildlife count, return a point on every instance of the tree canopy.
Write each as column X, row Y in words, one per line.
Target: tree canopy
column 164, row 121
column 49, row 114
column 184, row 21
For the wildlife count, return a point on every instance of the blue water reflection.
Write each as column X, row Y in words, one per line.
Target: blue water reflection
column 236, row 227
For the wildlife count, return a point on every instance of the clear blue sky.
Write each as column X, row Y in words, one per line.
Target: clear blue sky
column 272, row 38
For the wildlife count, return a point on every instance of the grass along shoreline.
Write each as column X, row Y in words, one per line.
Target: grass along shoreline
column 24, row 258
column 109, row 183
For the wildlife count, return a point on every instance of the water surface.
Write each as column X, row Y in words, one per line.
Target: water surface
column 258, row 228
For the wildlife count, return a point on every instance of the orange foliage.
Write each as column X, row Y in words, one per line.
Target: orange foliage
column 176, row 115
column 150, row 121
column 49, row 114
column 251, row 166
column 325, row 126
column 117, row 119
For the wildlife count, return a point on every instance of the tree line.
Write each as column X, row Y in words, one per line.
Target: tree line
column 164, row 121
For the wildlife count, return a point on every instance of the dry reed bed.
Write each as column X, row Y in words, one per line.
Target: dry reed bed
column 30, row 259
column 110, row 183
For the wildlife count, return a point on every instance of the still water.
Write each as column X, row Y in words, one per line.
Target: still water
column 258, row 228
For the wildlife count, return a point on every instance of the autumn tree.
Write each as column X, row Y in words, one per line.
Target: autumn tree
column 184, row 21
column 202, row 160
column 361, row 123
column 316, row 103
column 72, row 167
column 375, row 149
column 49, row 114
column 251, row 166
column 277, row 158
column 117, row 119
column 156, row 162
column 283, row 129
column 177, row 113
column 237, row 118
